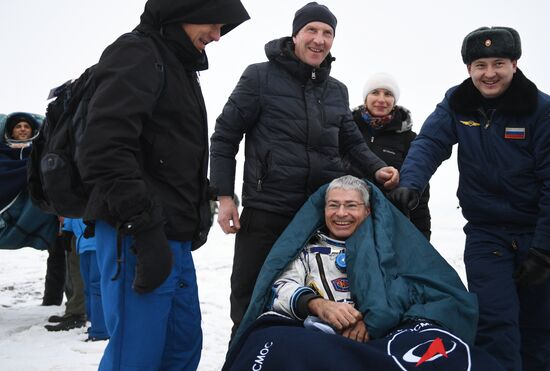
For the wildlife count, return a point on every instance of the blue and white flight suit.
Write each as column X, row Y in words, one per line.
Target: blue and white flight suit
column 504, row 193
column 319, row 271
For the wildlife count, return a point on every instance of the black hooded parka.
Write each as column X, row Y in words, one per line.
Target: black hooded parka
column 144, row 155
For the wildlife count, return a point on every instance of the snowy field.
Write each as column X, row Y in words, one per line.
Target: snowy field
column 26, row 345
column 418, row 42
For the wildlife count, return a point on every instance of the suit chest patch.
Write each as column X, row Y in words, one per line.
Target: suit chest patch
column 470, row 123
column 340, row 284
column 514, row 133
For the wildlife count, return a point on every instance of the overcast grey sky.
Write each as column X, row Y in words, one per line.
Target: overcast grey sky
column 44, row 43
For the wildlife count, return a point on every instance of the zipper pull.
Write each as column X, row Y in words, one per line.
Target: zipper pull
column 313, row 74
column 259, row 186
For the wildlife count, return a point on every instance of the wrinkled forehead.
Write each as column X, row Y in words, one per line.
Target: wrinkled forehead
column 344, row 195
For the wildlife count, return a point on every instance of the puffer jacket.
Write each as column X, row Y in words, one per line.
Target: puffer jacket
column 297, row 122
column 144, row 155
column 391, row 143
column 318, row 271
column 503, row 156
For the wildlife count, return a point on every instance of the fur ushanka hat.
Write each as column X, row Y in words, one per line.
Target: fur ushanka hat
column 491, row 42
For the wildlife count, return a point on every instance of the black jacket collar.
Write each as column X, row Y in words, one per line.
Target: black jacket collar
column 520, row 98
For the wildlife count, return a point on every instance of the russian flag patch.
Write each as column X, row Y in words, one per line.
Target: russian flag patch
column 514, row 133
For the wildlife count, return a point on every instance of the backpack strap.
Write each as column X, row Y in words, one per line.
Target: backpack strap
column 159, row 63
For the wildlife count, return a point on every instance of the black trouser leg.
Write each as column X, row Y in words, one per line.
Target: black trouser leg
column 259, row 231
column 55, row 273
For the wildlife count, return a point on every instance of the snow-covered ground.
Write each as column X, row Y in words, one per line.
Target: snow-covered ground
column 416, row 41
column 26, row 345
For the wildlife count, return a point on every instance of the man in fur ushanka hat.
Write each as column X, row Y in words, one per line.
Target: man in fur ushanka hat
column 501, row 122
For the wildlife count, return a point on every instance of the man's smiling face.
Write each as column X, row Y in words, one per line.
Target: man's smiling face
column 345, row 210
column 313, row 43
column 492, row 76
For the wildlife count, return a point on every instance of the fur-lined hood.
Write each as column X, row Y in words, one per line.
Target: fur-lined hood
column 34, row 120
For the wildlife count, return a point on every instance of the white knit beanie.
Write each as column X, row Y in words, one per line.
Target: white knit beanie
column 381, row 80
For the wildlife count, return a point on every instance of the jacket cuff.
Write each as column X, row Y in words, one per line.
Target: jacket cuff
column 300, row 303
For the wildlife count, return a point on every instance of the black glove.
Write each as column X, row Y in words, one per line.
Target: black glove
column 535, row 269
column 405, row 199
column 154, row 258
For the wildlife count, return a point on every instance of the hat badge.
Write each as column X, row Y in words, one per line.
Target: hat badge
column 488, row 42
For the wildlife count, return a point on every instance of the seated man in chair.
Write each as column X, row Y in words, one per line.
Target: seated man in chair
column 379, row 293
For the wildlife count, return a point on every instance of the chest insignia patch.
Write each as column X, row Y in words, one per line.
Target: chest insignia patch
column 470, row 123
column 341, row 284
column 514, row 133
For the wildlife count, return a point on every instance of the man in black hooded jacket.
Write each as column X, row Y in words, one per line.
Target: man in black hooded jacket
column 298, row 124
column 144, row 158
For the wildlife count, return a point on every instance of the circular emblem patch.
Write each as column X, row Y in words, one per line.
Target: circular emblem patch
column 430, row 346
column 488, row 42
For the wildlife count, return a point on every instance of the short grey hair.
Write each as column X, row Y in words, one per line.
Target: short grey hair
column 349, row 182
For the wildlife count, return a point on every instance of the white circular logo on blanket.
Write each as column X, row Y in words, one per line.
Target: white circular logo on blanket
column 410, row 348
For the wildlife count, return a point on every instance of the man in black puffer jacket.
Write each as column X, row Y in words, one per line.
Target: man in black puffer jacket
column 297, row 124
column 144, row 157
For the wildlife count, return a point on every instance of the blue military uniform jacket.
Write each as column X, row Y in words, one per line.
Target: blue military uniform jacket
column 503, row 155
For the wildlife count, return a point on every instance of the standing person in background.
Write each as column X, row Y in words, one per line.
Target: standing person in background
column 56, row 268
column 501, row 122
column 144, row 159
column 297, row 123
column 21, row 223
column 387, row 129
column 84, row 247
column 75, row 307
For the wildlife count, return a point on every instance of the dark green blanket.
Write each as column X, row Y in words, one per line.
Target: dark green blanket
column 394, row 272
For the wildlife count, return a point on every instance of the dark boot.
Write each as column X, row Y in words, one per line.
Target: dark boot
column 65, row 317
column 71, row 322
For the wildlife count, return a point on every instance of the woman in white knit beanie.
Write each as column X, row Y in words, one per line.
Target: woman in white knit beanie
column 387, row 129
